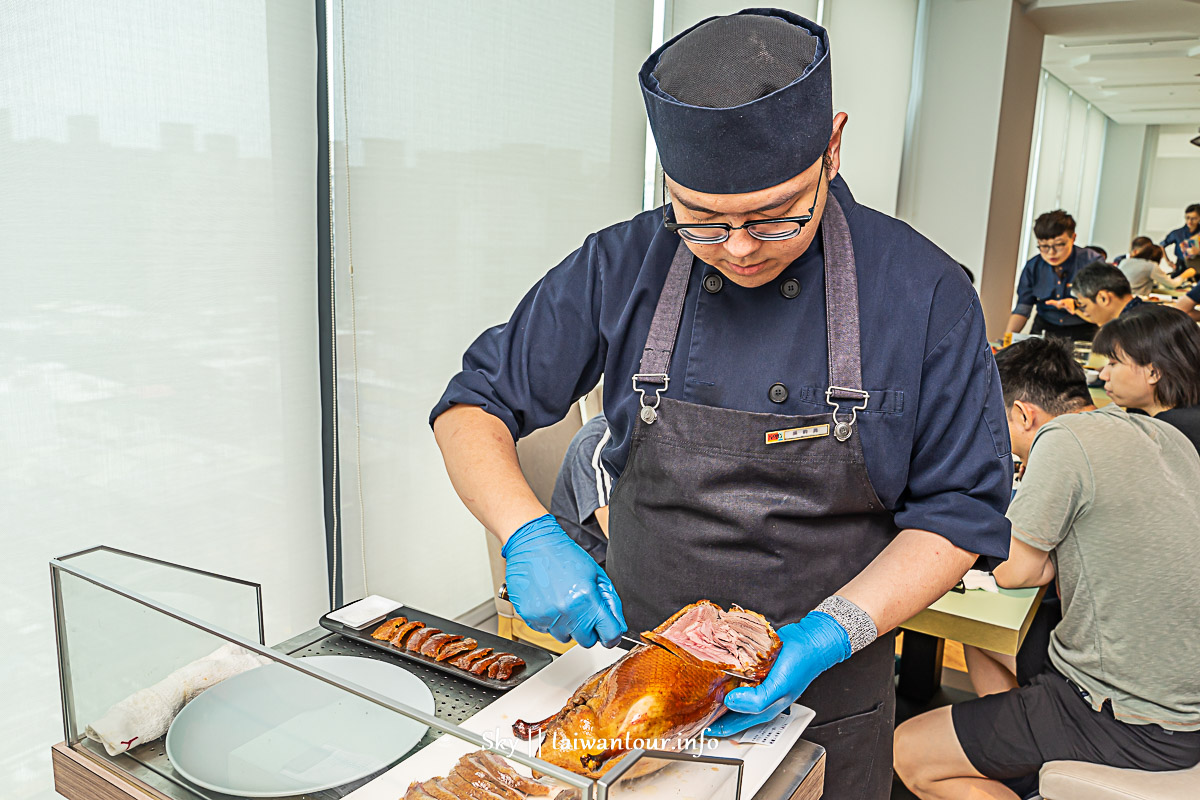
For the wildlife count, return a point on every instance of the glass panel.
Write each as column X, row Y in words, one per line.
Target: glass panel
column 1055, row 111
column 486, row 141
column 1072, row 157
column 685, row 774
column 220, row 601
column 243, row 720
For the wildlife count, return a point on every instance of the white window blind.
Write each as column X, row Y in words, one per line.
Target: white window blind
column 159, row 384
column 486, row 140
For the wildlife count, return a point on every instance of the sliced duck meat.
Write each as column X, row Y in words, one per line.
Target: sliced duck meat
column 705, row 634
column 403, row 632
column 502, row 772
column 480, row 667
column 453, row 649
column 435, row 643
column 467, row 659
column 417, row 639
column 479, row 777
column 436, row 789
column 417, row 792
column 388, row 629
column 467, row 790
column 504, row 667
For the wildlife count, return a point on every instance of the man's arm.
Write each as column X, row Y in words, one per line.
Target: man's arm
column 481, row 459
column 1016, row 323
column 1026, row 566
column 1188, row 306
column 917, row 568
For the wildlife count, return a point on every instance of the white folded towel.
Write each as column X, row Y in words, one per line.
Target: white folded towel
column 146, row 714
column 978, row 579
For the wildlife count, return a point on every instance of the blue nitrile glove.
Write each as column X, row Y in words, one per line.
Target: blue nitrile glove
column 810, row 646
column 558, row 588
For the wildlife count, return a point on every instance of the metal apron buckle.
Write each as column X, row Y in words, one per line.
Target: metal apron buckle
column 649, row 413
column 843, row 430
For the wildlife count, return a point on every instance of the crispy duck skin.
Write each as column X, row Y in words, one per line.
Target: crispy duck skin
column 509, row 777
column 436, row 790
column 435, row 643
column 462, row 646
column 651, row 693
column 465, row 660
column 465, row 789
column 483, row 775
column 480, row 667
column 403, row 632
column 417, row 792
column 417, row 639
column 503, row 668
column 481, row 780
column 388, row 629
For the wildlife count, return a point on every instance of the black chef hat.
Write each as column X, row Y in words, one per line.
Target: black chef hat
column 742, row 102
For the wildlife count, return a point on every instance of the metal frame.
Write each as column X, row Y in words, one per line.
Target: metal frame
column 327, row 319
column 57, row 566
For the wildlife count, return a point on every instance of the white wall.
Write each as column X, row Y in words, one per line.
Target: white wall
column 964, row 172
column 1173, row 182
column 1120, row 181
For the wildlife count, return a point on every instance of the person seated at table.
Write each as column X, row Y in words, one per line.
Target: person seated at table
column 1120, row 688
column 1187, row 303
column 1048, row 276
column 1154, row 365
column 580, row 499
column 1100, row 294
column 1098, row 250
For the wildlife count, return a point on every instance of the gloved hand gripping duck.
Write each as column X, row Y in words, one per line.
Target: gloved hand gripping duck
column 652, row 694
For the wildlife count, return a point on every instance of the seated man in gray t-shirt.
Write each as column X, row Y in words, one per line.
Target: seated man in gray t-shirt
column 1107, row 506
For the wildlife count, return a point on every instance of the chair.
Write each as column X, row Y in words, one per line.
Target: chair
column 1076, row 780
column 541, row 456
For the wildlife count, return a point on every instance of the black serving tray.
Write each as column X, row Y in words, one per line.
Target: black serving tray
column 535, row 657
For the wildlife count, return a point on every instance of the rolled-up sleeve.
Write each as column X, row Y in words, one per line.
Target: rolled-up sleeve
column 529, row 370
column 1026, row 298
column 960, row 475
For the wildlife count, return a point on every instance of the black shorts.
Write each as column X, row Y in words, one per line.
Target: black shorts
column 1012, row 734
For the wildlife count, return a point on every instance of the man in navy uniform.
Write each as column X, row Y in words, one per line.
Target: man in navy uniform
column 1047, row 277
column 1183, row 255
column 805, row 414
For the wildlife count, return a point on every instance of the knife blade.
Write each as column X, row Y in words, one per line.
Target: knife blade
column 502, row 593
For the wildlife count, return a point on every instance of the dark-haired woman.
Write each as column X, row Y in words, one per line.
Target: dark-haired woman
column 1154, row 365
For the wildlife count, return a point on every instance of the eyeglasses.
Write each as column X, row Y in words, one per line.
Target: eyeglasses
column 1053, row 247
column 766, row 230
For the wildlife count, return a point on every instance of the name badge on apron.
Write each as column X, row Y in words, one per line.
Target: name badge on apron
column 795, row 434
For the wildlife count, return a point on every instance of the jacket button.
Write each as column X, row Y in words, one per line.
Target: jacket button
column 713, row 283
column 789, row 288
column 778, row 393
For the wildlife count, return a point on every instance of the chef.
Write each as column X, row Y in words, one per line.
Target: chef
column 804, row 414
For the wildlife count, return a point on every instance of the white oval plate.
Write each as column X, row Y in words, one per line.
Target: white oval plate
column 273, row 732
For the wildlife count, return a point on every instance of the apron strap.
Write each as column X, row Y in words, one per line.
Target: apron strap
column 841, row 319
column 841, row 324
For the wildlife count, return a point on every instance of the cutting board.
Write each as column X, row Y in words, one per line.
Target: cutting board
column 544, row 694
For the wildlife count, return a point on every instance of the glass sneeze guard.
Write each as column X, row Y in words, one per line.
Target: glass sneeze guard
column 115, row 642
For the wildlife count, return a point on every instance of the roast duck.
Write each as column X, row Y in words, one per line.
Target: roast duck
column 662, row 694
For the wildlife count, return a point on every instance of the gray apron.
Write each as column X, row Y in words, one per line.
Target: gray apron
column 707, row 508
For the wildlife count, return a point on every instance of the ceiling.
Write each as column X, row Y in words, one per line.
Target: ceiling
column 1138, row 61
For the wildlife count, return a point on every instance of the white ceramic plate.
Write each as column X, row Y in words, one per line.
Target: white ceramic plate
column 273, row 732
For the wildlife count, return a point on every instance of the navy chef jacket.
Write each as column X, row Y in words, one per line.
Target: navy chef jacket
column 934, row 434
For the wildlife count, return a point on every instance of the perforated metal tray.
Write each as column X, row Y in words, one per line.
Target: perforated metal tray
column 454, row 700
